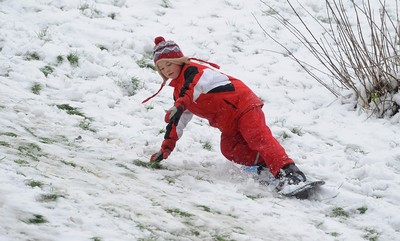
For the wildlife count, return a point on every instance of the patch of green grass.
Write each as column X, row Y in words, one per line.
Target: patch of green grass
column 205, row 208
column 71, row 110
column 112, row 16
column 46, row 70
column 50, row 197
column 33, row 183
column 339, row 212
column 73, row 59
column 220, row 237
column 83, row 7
column 122, row 165
column 195, row 232
column 149, row 106
column 153, row 165
column 140, row 163
column 141, row 226
column 21, row 173
column 130, row 87
column 95, row 238
column 36, row 219
column 85, row 124
column 31, row 150
column 29, row 147
column 362, row 210
column 371, row 234
column 152, row 237
column 207, row 145
column 60, row 59
column 202, row 178
column 42, row 34
column 135, row 82
column 296, row 131
column 284, row 135
column 10, row 134
column 101, row 47
column 21, row 162
column 68, row 163
column 156, row 165
column 3, row 143
column 254, row 197
column 32, row 56
column 334, row 234
column 46, row 140
column 239, row 230
column 145, row 63
column 166, row 4
column 178, row 212
column 36, row 88
column 169, row 179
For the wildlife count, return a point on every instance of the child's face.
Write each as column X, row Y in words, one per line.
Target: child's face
column 169, row 69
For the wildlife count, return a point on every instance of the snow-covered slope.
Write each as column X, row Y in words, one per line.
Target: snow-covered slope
column 74, row 134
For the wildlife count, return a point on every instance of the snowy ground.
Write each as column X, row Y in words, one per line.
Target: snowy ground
column 78, row 175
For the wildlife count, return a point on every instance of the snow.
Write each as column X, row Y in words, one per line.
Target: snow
column 81, row 173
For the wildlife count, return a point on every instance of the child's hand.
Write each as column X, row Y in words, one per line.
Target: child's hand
column 172, row 113
column 157, row 157
column 167, row 147
column 176, row 110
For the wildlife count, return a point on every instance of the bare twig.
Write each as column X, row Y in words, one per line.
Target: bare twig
column 363, row 57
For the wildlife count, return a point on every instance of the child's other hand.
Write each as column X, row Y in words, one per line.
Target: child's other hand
column 167, row 147
column 171, row 113
column 157, row 157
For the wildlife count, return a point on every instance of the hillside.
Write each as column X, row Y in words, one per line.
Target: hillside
column 74, row 135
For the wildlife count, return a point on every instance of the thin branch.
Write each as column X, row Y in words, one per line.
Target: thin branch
column 365, row 60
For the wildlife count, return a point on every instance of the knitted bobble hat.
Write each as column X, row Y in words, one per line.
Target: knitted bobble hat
column 165, row 50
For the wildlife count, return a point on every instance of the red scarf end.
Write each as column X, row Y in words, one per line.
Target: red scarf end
column 162, row 85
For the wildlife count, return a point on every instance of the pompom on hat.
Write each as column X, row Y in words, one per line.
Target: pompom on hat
column 165, row 50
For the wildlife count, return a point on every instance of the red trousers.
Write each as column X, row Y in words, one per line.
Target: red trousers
column 253, row 143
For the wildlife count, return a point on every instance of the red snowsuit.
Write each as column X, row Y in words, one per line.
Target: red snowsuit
column 229, row 105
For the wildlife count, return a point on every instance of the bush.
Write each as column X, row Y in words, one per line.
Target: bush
column 359, row 58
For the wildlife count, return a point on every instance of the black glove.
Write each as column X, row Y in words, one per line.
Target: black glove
column 157, row 157
column 292, row 174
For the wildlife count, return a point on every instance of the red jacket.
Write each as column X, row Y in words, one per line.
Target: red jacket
column 210, row 94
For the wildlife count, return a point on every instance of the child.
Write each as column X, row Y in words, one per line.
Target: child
column 228, row 104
